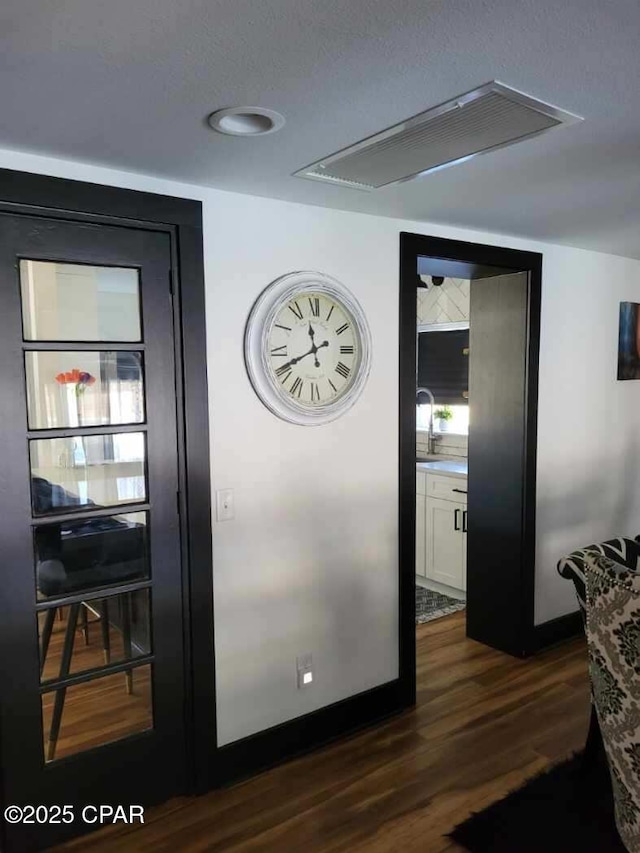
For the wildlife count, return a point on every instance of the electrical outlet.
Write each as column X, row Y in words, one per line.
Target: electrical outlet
column 304, row 668
column 224, row 505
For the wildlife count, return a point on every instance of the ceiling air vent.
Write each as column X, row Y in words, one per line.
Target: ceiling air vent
column 479, row 121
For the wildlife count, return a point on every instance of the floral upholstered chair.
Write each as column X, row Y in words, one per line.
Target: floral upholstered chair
column 610, row 596
column 620, row 550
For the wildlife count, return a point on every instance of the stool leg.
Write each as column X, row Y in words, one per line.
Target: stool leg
column 104, row 624
column 65, row 665
column 47, row 629
column 126, row 637
column 85, row 624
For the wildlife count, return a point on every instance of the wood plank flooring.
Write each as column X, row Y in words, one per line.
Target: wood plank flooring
column 101, row 710
column 483, row 724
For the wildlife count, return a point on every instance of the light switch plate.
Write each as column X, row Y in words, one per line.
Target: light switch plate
column 304, row 668
column 224, row 505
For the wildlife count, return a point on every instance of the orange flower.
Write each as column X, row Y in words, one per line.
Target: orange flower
column 76, row 377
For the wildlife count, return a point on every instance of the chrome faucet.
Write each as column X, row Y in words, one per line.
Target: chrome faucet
column 431, row 443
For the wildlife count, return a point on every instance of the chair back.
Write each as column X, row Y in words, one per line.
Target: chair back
column 620, row 550
column 612, row 599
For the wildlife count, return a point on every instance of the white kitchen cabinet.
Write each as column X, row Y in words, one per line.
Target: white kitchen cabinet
column 421, row 520
column 441, row 521
column 464, row 558
column 421, row 540
column 445, row 542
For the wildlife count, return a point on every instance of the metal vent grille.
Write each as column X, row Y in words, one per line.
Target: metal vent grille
column 487, row 118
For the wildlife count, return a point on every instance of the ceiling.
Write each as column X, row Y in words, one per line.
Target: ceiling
column 129, row 85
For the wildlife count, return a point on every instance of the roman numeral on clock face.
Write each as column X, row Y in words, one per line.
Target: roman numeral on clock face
column 342, row 329
column 332, row 385
column 314, row 303
column 281, row 371
column 296, row 310
column 343, row 370
column 282, row 351
column 315, row 393
column 330, row 311
column 296, row 388
column 346, row 350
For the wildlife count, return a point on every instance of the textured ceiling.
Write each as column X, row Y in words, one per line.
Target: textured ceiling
column 129, row 85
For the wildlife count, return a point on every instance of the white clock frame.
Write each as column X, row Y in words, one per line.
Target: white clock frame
column 256, row 350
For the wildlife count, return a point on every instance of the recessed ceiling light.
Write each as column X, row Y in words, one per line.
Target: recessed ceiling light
column 246, row 121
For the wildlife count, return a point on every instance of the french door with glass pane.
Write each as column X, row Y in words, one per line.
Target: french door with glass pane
column 91, row 632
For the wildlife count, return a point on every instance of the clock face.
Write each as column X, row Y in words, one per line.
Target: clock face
column 307, row 348
column 313, row 348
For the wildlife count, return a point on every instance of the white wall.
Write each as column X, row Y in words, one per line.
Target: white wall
column 309, row 563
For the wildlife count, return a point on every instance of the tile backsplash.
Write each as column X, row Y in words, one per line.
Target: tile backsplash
column 446, row 444
column 448, row 303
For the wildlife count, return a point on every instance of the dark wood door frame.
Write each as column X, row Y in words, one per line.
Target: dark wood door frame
column 478, row 256
column 181, row 219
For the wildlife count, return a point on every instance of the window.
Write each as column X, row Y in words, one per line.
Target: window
column 443, row 364
column 459, row 423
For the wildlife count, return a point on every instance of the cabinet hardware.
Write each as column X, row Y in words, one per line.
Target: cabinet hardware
column 460, row 491
column 455, row 520
column 464, row 521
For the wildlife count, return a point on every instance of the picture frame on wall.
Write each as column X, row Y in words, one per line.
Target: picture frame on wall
column 629, row 341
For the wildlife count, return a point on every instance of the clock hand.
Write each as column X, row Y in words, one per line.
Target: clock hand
column 315, row 350
column 296, row 360
column 313, row 346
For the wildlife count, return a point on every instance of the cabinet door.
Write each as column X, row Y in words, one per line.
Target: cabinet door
column 464, row 549
column 421, row 541
column 464, row 562
column 445, row 542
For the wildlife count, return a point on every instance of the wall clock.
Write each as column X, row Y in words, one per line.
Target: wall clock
column 307, row 348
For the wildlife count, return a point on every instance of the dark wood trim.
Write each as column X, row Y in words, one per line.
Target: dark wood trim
column 21, row 191
column 407, row 472
column 181, row 219
column 304, row 734
column 531, row 452
column 412, row 247
column 189, row 304
column 557, row 631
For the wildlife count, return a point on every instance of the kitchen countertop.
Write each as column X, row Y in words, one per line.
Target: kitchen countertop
column 448, row 467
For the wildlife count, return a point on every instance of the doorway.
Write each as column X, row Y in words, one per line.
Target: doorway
column 498, row 518
column 97, row 692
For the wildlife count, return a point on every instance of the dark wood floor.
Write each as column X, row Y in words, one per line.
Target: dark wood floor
column 483, row 724
column 98, row 711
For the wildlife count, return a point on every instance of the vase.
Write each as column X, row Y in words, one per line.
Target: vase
column 71, row 405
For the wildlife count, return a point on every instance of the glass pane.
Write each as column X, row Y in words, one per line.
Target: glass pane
column 79, row 556
column 87, row 471
column 77, row 302
column 76, row 389
column 93, row 634
column 96, row 712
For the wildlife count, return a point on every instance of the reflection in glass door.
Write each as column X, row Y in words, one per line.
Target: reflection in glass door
column 89, row 502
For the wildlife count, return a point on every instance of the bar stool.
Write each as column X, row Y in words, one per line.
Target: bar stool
column 53, row 580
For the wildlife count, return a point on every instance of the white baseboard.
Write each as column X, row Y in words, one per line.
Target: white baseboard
column 451, row 591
